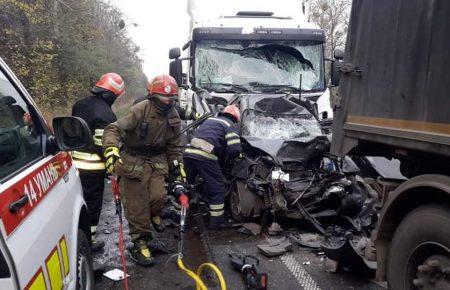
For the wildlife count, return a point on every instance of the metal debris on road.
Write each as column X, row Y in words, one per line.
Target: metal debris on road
column 275, row 229
column 250, row 229
column 276, row 247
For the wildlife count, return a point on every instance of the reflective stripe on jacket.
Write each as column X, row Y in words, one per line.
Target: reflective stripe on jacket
column 87, row 161
column 221, row 133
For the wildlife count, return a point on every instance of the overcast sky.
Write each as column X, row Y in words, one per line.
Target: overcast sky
column 161, row 26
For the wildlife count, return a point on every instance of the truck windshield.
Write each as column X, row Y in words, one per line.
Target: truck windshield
column 259, row 66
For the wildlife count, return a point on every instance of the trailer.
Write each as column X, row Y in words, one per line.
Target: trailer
column 394, row 102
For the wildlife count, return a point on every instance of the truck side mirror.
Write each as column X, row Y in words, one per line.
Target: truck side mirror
column 174, row 53
column 72, row 133
column 176, row 71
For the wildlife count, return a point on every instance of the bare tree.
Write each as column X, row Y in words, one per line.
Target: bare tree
column 332, row 16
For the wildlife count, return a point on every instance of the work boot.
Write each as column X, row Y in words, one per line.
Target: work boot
column 156, row 245
column 218, row 223
column 141, row 254
column 158, row 224
column 97, row 245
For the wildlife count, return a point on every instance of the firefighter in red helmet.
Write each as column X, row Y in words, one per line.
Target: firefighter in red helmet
column 96, row 111
column 185, row 113
column 151, row 147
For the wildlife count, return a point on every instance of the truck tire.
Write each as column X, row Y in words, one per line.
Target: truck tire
column 85, row 269
column 419, row 255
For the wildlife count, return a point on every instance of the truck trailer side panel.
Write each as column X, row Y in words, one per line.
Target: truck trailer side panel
column 396, row 73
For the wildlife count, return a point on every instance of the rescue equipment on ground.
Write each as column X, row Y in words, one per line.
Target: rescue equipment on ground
column 118, row 203
column 178, row 189
column 248, row 266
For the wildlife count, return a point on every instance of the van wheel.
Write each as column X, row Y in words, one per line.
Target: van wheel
column 419, row 256
column 85, row 269
column 235, row 204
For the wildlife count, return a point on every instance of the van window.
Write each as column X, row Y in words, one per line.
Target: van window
column 19, row 142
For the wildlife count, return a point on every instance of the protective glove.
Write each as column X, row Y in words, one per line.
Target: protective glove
column 112, row 156
column 178, row 171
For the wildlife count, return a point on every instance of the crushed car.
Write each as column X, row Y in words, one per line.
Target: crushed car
column 287, row 171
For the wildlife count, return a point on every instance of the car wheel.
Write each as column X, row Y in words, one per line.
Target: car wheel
column 419, row 255
column 85, row 269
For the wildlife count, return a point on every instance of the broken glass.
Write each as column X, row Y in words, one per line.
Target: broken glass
column 282, row 127
column 221, row 63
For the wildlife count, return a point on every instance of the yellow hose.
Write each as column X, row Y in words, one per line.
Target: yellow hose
column 200, row 285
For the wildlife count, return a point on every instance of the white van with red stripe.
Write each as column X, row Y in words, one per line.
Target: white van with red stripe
column 44, row 228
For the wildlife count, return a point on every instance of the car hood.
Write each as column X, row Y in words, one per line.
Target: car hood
column 282, row 127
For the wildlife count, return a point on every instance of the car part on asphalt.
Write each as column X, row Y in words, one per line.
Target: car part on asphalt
column 250, row 229
column 345, row 252
column 276, row 247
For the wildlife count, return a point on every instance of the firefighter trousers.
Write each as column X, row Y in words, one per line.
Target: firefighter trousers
column 93, row 184
column 142, row 199
column 215, row 188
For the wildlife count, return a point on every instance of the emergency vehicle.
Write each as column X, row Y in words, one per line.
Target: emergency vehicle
column 44, row 229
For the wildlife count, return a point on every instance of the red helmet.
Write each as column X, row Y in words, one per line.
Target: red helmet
column 111, row 82
column 233, row 110
column 163, row 85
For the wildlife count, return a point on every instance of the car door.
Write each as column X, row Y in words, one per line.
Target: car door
column 35, row 207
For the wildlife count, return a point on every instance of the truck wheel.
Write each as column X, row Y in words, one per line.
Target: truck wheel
column 419, row 255
column 85, row 269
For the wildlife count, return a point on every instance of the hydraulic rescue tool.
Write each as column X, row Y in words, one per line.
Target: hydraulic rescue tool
column 116, row 193
column 179, row 190
column 248, row 266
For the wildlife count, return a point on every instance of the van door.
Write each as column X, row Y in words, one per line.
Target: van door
column 35, row 212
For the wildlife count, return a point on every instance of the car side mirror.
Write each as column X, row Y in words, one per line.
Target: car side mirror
column 72, row 133
column 174, row 53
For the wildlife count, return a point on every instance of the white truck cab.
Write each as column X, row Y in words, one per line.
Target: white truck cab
column 253, row 47
column 44, row 230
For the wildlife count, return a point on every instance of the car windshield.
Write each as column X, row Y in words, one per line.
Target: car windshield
column 259, row 66
column 283, row 127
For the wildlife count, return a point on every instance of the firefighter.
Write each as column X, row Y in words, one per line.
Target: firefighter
column 184, row 113
column 215, row 140
column 96, row 111
column 152, row 145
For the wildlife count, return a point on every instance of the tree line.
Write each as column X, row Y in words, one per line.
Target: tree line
column 59, row 48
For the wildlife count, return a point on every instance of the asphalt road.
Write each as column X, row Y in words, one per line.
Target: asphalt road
column 298, row 269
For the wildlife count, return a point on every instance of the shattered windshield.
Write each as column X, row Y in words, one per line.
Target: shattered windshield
column 283, row 127
column 259, row 66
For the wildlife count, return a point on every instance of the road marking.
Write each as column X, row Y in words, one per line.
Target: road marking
column 300, row 274
column 303, row 278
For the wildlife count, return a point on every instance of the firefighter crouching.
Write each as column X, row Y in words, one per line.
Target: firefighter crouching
column 151, row 143
column 96, row 111
column 214, row 139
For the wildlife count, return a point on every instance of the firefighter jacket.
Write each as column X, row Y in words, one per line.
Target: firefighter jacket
column 97, row 113
column 184, row 113
column 148, row 135
column 215, row 139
